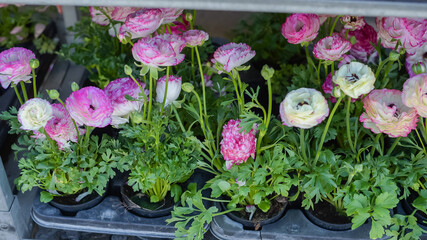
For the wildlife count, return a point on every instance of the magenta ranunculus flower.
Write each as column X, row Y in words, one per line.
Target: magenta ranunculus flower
column 410, row 32
column 233, row 55
column 141, row 23
column 300, row 28
column 90, row 106
column 414, row 94
column 174, row 88
column 237, row 147
column 61, row 128
column 159, row 51
column 331, row 48
column 386, row 113
column 419, row 55
column 171, row 14
column 353, row 23
column 117, row 90
column 362, row 48
column 15, row 66
column 195, row 37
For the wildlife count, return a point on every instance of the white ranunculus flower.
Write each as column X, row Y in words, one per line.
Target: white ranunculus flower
column 34, row 114
column 303, row 108
column 174, row 88
column 415, row 94
column 355, row 79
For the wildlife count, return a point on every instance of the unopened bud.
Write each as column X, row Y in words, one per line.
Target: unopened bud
column 188, row 17
column 188, row 87
column 337, row 93
column 74, row 86
column 419, row 68
column 53, row 94
column 267, row 72
column 34, row 63
column 136, row 117
column 128, row 70
column 394, row 56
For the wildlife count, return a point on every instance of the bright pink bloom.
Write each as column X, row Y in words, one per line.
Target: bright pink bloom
column 385, row 113
column 159, row 51
column 353, row 23
column 236, row 146
column 174, row 88
column 233, row 55
column 141, row 23
column 414, row 93
column 15, row 66
column 419, row 55
column 331, row 48
column 362, row 48
column 327, row 87
column 195, row 37
column 117, row 90
column 410, row 32
column 171, row 14
column 300, row 28
column 90, row 106
column 61, row 128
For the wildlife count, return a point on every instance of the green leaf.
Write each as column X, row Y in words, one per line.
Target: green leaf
column 223, row 185
column 377, row 230
column 45, row 197
column 264, row 205
column 176, row 192
column 359, row 220
column 386, row 200
column 144, row 70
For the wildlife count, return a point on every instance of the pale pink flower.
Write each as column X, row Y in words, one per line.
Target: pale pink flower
column 61, row 127
column 120, row 13
column 90, row 106
column 159, row 51
column 300, row 28
column 38, row 29
column 98, row 16
column 171, row 14
column 195, row 37
column 331, row 48
column 3, row 5
column 362, row 48
column 174, row 88
column 414, row 94
column 410, row 32
column 34, row 114
column 419, row 55
column 303, row 108
column 16, row 30
column 233, row 55
column 141, row 23
column 323, row 17
column 385, row 113
column 15, row 66
column 353, row 23
column 117, row 90
column 236, row 146
column 355, row 79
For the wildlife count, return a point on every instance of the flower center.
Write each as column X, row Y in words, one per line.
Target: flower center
column 353, row 19
column 396, row 113
column 300, row 104
column 91, row 107
column 299, row 26
column 425, row 55
column 352, row 78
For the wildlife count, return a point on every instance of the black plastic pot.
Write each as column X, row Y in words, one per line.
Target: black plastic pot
column 254, row 225
column 313, row 216
column 87, row 202
column 408, row 208
column 130, row 197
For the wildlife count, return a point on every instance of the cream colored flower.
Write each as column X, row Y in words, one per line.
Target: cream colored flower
column 414, row 93
column 355, row 79
column 303, row 108
column 34, row 114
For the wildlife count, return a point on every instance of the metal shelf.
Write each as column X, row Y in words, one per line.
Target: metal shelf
column 397, row 8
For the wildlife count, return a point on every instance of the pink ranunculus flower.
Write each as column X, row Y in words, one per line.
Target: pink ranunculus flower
column 3, row 5
column 174, row 88
column 195, row 37
column 362, row 48
column 38, row 29
column 171, row 14
column 323, row 17
column 34, row 114
column 353, row 23
column 410, row 32
column 98, row 16
column 303, row 108
column 236, row 146
column 117, row 90
column 120, row 13
column 300, row 27
column 233, row 55
column 419, row 55
column 159, row 51
column 90, row 106
column 328, row 87
column 331, row 48
column 414, row 94
column 61, row 127
column 386, row 113
column 15, row 66
column 141, row 23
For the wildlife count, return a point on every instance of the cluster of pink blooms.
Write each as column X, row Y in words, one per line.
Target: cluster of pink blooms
column 15, row 66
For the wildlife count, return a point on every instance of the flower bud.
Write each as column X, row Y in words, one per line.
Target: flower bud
column 128, row 70
column 394, row 56
column 34, row 63
column 419, row 68
column 74, row 86
column 337, row 93
column 136, row 117
column 188, row 87
column 53, row 94
column 267, row 72
column 188, row 17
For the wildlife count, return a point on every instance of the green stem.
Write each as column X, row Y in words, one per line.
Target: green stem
column 347, row 117
column 178, row 119
column 393, row 146
column 421, row 141
column 24, row 91
column 380, row 66
column 302, row 143
column 333, row 25
column 377, row 138
column 18, row 95
column 322, row 139
column 166, row 90
column 388, row 69
column 224, row 212
column 74, row 123
column 34, row 83
column 151, row 97
column 318, row 73
column 143, row 94
column 237, row 94
column 215, row 200
column 203, row 80
column 192, row 64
